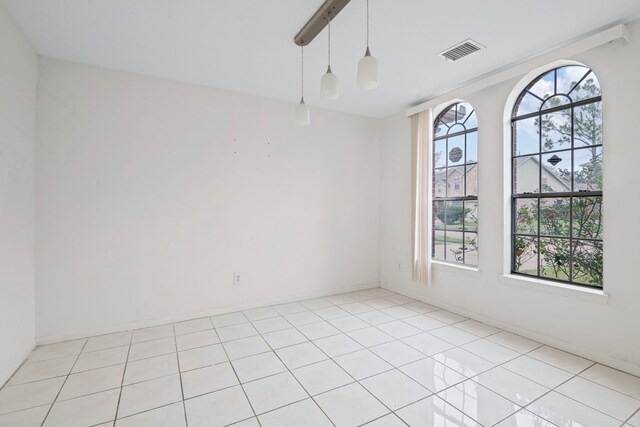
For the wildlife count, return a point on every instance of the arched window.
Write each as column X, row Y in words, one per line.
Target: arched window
column 557, row 178
column 455, row 185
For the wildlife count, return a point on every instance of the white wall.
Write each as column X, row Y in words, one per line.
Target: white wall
column 18, row 80
column 607, row 332
column 151, row 194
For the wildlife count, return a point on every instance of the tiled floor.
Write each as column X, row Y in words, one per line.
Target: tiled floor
column 368, row 357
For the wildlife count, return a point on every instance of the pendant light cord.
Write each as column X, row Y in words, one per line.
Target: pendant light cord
column 302, row 73
column 367, row 24
column 329, row 43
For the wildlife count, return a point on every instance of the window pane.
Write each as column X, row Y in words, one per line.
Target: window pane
column 526, row 216
column 440, row 129
column 438, row 245
column 555, row 101
column 554, row 217
column 438, row 215
column 464, row 111
column 587, row 121
column 471, row 248
column 568, row 77
column 455, row 182
column 440, row 183
column 588, row 88
column 527, row 104
column 453, row 215
column 526, row 255
column 587, row 262
column 448, row 117
column 472, row 180
column 471, row 215
column 545, row 87
column 455, row 156
column 526, row 171
column 455, row 247
column 439, row 153
column 556, row 172
column 555, row 258
column 472, row 147
column 471, row 121
column 526, row 137
column 587, row 165
column 457, row 128
column 461, row 109
column 587, row 217
column 556, row 130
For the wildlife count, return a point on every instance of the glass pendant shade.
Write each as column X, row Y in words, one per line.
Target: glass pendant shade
column 302, row 115
column 329, row 85
column 368, row 71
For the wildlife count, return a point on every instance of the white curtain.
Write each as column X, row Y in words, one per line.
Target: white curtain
column 420, row 189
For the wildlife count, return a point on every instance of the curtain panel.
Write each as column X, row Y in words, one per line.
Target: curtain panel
column 421, row 132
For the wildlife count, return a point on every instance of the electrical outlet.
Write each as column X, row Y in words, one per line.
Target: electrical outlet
column 236, row 279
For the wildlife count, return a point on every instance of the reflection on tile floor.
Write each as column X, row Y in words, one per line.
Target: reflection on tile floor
column 370, row 357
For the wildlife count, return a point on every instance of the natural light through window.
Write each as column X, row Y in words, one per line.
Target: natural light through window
column 455, row 185
column 557, row 178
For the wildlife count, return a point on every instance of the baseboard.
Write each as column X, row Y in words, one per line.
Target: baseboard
column 49, row 339
column 619, row 364
column 8, row 372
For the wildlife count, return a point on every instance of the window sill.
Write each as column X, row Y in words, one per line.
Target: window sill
column 455, row 268
column 570, row 291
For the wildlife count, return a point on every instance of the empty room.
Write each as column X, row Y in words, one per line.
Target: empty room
column 319, row 213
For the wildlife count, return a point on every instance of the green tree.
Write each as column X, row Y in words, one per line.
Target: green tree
column 452, row 214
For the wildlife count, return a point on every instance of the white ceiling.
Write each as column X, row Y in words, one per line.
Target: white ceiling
column 247, row 45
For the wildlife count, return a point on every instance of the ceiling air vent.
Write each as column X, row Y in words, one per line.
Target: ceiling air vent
column 461, row 50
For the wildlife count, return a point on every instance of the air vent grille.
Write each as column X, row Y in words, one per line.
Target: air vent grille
column 461, row 50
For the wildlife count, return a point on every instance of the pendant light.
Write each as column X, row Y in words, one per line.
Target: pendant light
column 302, row 115
column 368, row 65
column 329, row 82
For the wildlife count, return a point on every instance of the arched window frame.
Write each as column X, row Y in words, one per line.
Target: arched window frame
column 538, row 241
column 456, row 121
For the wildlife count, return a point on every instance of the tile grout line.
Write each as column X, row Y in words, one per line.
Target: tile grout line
column 391, row 411
column 626, row 422
column 342, row 332
column 337, row 364
column 550, row 389
column 496, row 365
column 607, row 387
column 63, row 383
column 355, row 381
column 426, row 356
column 124, row 373
column 237, row 377
column 299, row 383
column 184, row 405
column 293, row 375
column 553, row 389
column 346, row 333
column 26, row 363
column 480, row 385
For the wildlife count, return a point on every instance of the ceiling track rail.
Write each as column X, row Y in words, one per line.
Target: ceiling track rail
column 319, row 20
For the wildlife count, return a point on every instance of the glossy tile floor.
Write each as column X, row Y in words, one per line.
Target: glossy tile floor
column 368, row 357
